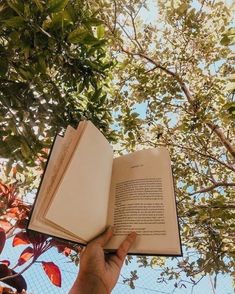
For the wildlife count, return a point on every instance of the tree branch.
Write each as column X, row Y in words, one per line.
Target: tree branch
column 228, row 206
column 229, row 166
column 218, row 131
column 212, row 187
column 135, row 33
column 115, row 17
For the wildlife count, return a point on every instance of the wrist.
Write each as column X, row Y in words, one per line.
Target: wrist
column 87, row 283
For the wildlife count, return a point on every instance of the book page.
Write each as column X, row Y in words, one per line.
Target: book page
column 81, row 200
column 67, row 148
column 37, row 221
column 142, row 200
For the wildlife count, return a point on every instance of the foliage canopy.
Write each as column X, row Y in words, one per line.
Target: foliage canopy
column 168, row 81
column 53, row 65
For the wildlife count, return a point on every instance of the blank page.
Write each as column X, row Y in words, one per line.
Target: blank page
column 37, row 222
column 81, row 200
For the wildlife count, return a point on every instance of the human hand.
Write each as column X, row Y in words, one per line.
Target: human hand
column 99, row 272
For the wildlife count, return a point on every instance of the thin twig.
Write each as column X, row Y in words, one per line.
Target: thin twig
column 212, row 187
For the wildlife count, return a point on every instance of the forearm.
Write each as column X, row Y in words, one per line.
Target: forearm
column 88, row 285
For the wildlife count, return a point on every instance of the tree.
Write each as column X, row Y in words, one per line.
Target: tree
column 53, row 72
column 180, row 69
column 53, row 67
column 14, row 215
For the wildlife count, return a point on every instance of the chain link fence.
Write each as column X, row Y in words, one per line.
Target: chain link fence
column 39, row 283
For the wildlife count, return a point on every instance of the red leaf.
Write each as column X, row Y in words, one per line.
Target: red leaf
column 2, row 239
column 66, row 251
column 13, row 212
column 6, row 262
column 21, row 224
column 20, row 239
column 3, row 189
column 17, row 282
column 5, row 225
column 14, row 170
column 25, row 255
column 37, row 238
column 53, row 272
column 61, row 247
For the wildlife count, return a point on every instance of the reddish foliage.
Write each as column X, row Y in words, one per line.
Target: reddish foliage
column 5, row 225
column 53, row 272
column 17, row 282
column 9, row 193
column 13, row 212
column 6, row 262
column 3, row 189
column 12, row 208
column 14, row 171
column 64, row 250
column 21, row 224
column 25, row 255
column 20, row 239
column 78, row 248
column 5, row 290
column 67, row 251
column 2, row 239
column 37, row 238
column 62, row 247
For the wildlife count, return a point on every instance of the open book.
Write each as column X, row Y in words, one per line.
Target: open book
column 84, row 190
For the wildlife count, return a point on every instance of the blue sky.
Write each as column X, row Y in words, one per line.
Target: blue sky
column 147, row 283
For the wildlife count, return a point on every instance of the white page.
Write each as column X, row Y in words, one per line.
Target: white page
column 81, row 199
column 37, row 221
column 142, row 200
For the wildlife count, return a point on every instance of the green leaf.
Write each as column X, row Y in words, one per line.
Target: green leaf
column 56, row 5
column 96, row 95
column 232, row 77
column 77, row 35
column 90, row 40
column 25, row 74
column 3, row 66
column 100, row 32
column 81, row 87
column 38, row 4
column 182, row 8
column 231, row 31
column 25, row 150
column 93, row 21
column 131, row 135
column 14, row 22
column 82, row 36
column 17, row 6
column 230, row 87
column 41, row 64
column 55, row 22
column 228, row 37
column 135, row 114
column 230, row 106
column 225, row 40
column 58, row 20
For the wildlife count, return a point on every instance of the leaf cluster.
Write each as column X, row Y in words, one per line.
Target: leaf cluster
column 53, row 67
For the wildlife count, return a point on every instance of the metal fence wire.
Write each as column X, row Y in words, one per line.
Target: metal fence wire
column 39, row 283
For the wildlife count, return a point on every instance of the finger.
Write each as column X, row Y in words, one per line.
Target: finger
column 125, row 246
column 104, row 237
